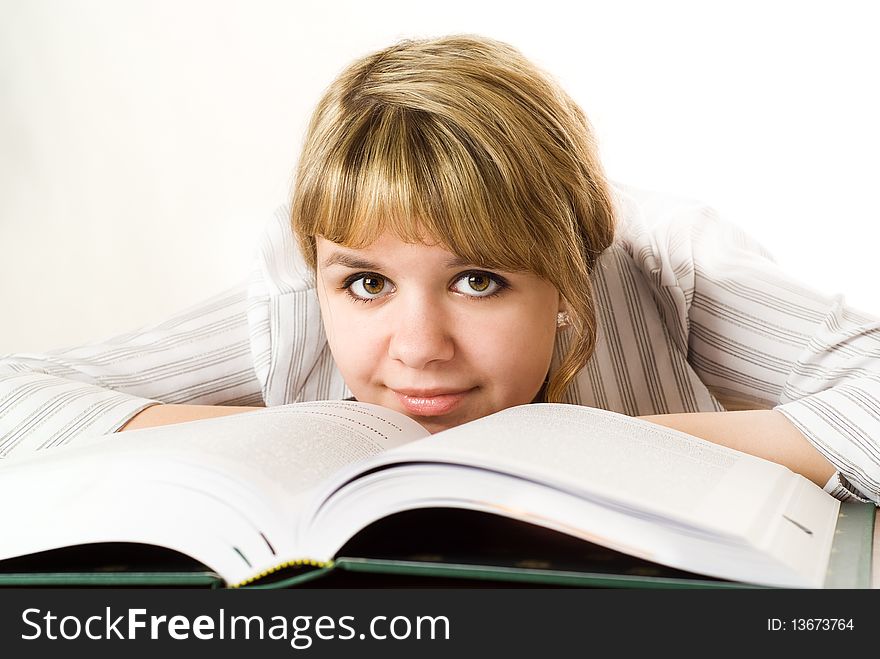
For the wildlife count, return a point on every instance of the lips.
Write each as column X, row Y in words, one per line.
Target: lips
column 430, row 402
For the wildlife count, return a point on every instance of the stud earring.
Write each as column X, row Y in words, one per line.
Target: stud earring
column 562, row 319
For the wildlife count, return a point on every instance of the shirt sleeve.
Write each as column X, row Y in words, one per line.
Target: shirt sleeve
column 754, row 334
column 200, row 356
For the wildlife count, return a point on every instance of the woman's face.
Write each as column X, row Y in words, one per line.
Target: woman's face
column 414, row 328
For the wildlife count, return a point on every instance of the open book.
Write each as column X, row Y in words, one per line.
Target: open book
column 250, row 494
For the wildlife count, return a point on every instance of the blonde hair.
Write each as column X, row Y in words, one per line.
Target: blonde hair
column 463, row 141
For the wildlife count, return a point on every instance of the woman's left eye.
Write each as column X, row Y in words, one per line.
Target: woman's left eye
column 478, row 284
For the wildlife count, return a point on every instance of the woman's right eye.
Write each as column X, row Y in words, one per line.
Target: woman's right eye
column 368, row 287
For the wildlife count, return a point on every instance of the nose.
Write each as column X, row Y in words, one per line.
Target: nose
column 421, row 334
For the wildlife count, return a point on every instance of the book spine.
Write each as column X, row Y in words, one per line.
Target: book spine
column 299, row 562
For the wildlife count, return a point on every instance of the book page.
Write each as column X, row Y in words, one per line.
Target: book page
column 590, row 452
column 621, row 482
column 293, row 446
column 225, row 491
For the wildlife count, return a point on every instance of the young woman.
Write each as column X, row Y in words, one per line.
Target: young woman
column 452, row 249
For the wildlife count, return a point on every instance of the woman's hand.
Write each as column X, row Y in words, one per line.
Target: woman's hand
column 765, row 433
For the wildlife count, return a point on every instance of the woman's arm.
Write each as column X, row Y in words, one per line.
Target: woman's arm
column 163, row 415
column 752, row 331
column 201, row 357
column 764, row 433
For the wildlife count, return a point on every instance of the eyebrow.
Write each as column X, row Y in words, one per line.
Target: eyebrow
column 360, row 263
column 458, row 262
column 349, row 261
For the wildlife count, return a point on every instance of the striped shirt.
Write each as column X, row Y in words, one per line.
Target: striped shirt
column 693, row 316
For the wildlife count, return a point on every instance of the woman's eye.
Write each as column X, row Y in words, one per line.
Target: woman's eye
column 477, row 284
column 369, row 287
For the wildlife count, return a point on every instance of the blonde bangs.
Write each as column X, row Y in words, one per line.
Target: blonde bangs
column 403, row 171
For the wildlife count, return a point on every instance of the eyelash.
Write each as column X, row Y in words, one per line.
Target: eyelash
column 346, row 286
column 500, row 281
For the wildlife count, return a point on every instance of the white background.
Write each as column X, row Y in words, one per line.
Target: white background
column 144, row 143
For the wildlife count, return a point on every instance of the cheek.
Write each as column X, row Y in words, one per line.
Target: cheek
column 355, row 345
column 519, row 353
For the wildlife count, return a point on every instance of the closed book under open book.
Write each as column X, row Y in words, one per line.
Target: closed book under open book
column 291, row 489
